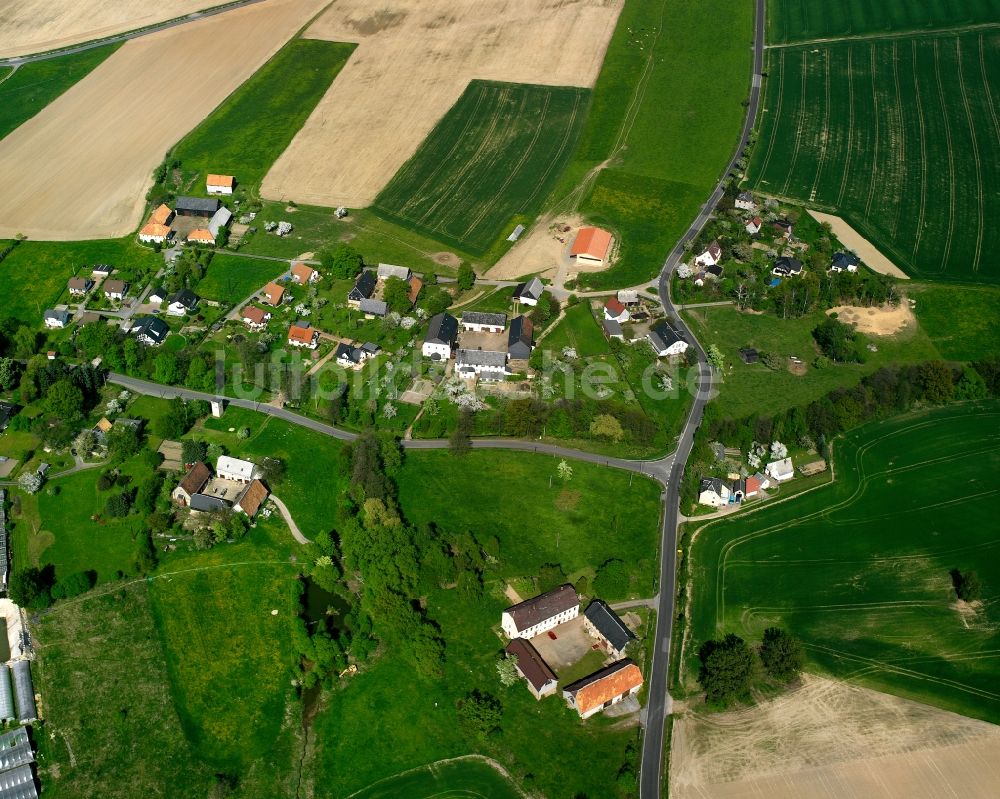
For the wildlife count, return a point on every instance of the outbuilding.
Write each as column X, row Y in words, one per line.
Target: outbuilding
column 481, row 322
column 591, row 246
column 219, row 184
column 529, row 292
column 24, row 691
column 532, row 667
column 612, row 634
column 440, row 339
column 196, row 206
column 603, row 688
column 520, row 338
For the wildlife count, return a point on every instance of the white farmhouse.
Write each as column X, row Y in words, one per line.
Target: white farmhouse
column 666, row 341
column 541, row 613
column 780, row 471
column 711, row 256
column 219, row 184
column 229, row 468
column 440, row 338
column 713, row 492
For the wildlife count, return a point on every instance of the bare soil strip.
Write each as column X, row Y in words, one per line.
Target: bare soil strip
column 865, row 250
column 414, row 61
column 881, row 321
column 81, row 168
column 34, row 26
column 831, row 740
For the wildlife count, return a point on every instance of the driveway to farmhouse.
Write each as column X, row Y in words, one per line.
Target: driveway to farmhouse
column 296, row 532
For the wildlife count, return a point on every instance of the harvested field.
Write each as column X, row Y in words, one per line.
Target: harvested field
column 414, row 61
column 80, row 168
column 34, row 26
column 882, row 321
column 828, row 740
column 864, row 249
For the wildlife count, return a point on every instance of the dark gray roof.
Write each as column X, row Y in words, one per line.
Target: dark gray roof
column 374, row 307
column 609, row 624
column 842, row 260
column 24, row 690
column 711, row 484
column 154, row 328
column 347, row 352
column 363, row 286
column 18, row 783
column 532, row 288
column 531, row 664
column 15, row 747
column 486, row 358
column 199, row 205
column 714, row 270
column 662, row 336
column 371, row 348
column 520, row 337
column 484, row 318
column 206, row 502
column 544, row 606
column 745, row 195
column 62, row 316
column 185, row 297
column 442, row 329
column 612, row 328
column 790, row 266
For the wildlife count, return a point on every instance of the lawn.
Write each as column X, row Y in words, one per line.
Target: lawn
column 463, row 779
column 960, row 320
column 580, row 330
column 488, row 163
column 572, row 524
column 859, row 570
column 246, row 134
column 50, row 264
column 797, row 20
column 898, row 137
column 751, row 388
column 667, row 108
column 230, row 278
column 35, row 85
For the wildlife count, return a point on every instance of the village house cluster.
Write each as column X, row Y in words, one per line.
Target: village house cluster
column 194, row 220
column 236, row 485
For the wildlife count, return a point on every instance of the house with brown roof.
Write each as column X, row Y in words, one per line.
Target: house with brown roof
column 591, row 245
column 251, row 499
column 615, row 311
column 710, row 256
column 153, row 233
column 115, row 289
column 533, row 669
column 273, row 294
column 416, row 284
column 219, row 184
column 304, row 275
column 162, row 216
column 194, row 481
column 302, row 334
column 541, row 613
column 255, row 318
column 603, row 688
column 201, row 236
column 79, row 286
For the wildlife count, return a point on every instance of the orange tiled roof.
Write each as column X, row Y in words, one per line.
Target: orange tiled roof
column 274, row 293
column 200, row 234
column 154, row 229
column 415, row 285
column 608, row 687
column 254, row 315
column 302, row 273
column 591, row 241
column 161, row 215
column 304, row 335
column 220, row 180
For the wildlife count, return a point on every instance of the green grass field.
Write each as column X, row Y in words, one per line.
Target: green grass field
column 579, row 330
column 796, row 20
column 960, row 320
column 230, row 278
column 896, row 135
column 859, row 570
column 35, row 85
column 247, row 133
column 490, row 161
column 463, row 779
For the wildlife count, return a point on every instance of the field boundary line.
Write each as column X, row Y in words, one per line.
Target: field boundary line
column 918, row 103
column 874, row 177
column 800, row 122
column 640, row 89
column 975, row 155
column 824, row 135
column 850, row 125
column 986, row 86
column 430, row 767
column 885, row 35
column 951, row 159
column 901, row 156
column 775, row 117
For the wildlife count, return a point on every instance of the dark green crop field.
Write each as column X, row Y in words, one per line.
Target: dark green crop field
column 490, row 161
column 798, row 20
column 35, row 85
column 859, row 569
column 899, row 136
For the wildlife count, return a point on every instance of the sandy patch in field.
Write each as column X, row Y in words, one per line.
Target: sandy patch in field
column 81, row 168
column 35, row 26
column 881, row 321
column 543, row 250
column 414, row 61
column 866, row 251
column 832, row 740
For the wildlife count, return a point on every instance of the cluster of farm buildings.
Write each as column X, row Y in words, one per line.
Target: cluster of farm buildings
column 198, row 220
column 717, row 492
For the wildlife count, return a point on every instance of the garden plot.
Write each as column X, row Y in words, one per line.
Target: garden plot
column 412, row 65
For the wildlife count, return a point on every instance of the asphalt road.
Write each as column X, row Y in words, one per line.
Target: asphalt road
column 651, row 767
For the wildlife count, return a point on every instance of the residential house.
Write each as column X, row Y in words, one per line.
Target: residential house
column 710, row 256
column 196, row 206
column 156, row 296
column 613, row 329
column 532, row 667
column 787, row 267
column 603, row 688
column 486, row 364
column 304, row 274
column 541, row 613
column 151, row 331
column 194, row 481
column 780, row 471
column 241, row 471
column 101, row 270
column 530, row 292
column 373, row 309
column 784, row 227
column 385, row 271
column 220, row 221
column 666, row 341
column 751, row 487
column 302, row 334
column 628, row 297
column 763, row 481
column 219, row 184
column 80, row 286
column 520, row 338
column 56, row 320
column 350, row 356
column 274, row 294
column 754, row 225
column 182, row 302
column 615, row 311
column 255, row 318
column 591, row 246
column 744, row 201
column 416, row 284
column 201, row 236
column 845, row 262
column 606, row 626
column 749, row 355
column 440, row 339
column 152, row 233
column 251, row 499
column 115, row 289
column 713, row 491
column 363, row 289
column 480, row 322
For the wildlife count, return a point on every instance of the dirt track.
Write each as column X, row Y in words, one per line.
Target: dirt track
column 80, row 169
column 414, row 60
column 867, row 252
column 830, row 740
column 33, row 26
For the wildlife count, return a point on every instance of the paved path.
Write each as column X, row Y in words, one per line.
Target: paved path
column 658, row 702
column 636, row 603
column 286, row 514
column 79, row 466
column 703, row 305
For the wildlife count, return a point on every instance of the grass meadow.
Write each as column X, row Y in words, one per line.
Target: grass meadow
column 246, row 134
column 230, row 278
column 487, row 164
column 798, row 20
column 464, row 778
column 580, row 330
column 896, row 135
column 35, row 85
column 960, row 320
column 859, row 569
